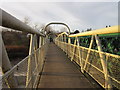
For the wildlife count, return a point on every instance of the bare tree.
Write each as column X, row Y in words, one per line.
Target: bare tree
column 26, row 20
column 36, row 25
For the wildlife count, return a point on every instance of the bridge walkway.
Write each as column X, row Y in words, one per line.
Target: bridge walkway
column 60, row 72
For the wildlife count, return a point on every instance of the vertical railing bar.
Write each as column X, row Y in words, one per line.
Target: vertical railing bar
column 69, row 43
column 31, row 50
column 108, row 84
column 36, row 71
column 81, row 64
column 74, row 49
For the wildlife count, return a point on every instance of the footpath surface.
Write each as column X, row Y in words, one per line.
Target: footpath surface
column 60, row 72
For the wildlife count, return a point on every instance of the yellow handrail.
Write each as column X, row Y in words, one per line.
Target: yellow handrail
column 113, row 29
column 90, row 64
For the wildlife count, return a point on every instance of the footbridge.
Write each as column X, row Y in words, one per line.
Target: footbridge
column 70, row 61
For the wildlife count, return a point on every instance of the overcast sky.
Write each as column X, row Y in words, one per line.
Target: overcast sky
column 78, row 15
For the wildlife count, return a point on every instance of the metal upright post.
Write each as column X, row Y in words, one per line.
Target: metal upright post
column 108, row 84
column 37, row 63
column 65, row 43
column 81, row 64
column 40, row 41
column 35, row 49
column 29, row 69
column 43, row 40
column 75, row 41
column 69, row 43
column 61, row 42
column 40, row 44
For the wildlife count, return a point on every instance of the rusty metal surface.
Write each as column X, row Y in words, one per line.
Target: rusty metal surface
column 60, row 72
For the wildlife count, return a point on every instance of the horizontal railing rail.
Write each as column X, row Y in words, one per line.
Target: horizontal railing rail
column 113, row 29
column 10, row 21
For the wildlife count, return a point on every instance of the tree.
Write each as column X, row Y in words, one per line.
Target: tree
column 76, row 31
column 26, row 20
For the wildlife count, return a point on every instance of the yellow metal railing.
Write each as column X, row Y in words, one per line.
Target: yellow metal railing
column 96, row 63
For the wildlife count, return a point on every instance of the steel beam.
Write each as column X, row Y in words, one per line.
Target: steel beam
column 10, row 21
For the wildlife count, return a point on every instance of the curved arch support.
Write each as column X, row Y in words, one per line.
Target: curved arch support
column 57, row 23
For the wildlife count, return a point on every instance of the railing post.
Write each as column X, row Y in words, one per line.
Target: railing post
column 60, row 42
column 37, row 54
column 35, row 48
column 61, row 45
column 29, row 68
column 42, row 51
column 40, row 59
column 40, row 42
column 108, row 84
column 6, row 66
column 81, row 64
column 74, row 49
column 65, row 44
column 40, row 54
column 69, row 43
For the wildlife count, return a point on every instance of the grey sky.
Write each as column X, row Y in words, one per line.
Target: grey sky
column 78, row 15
